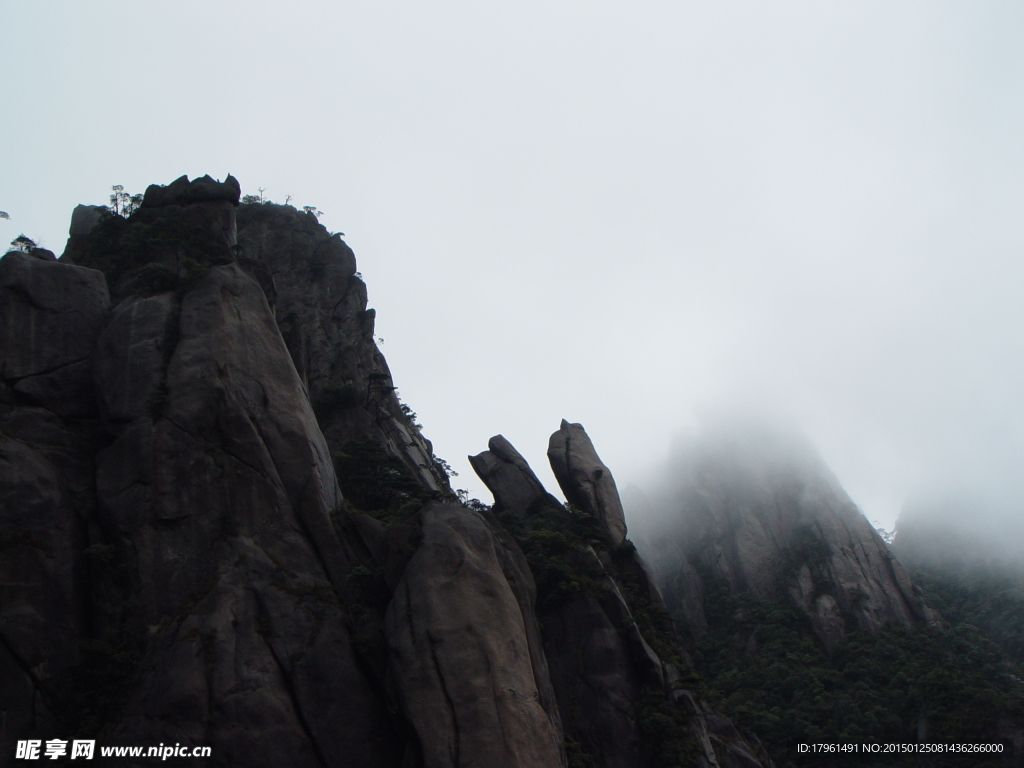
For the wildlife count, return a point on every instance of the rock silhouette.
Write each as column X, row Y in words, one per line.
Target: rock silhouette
column 221, row 528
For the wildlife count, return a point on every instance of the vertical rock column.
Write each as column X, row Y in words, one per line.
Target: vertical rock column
column 585, row 480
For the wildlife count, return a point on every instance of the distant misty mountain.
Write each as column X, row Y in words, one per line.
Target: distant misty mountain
column 805, row 625
column 759, row 511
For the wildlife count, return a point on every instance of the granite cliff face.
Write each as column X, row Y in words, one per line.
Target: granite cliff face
column 598, row 601
column 762, row 514
column 218, row 527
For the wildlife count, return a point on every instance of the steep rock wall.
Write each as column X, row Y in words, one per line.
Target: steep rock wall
column 50, row 317
column 178, row 563
column 764, row 514
column 456, row 629
column 320, row 307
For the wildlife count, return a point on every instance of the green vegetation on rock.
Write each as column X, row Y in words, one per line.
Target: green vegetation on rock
column 761, row 663
column 563, row 546
column 552, row 539
column 989, row 597
column 376, row 482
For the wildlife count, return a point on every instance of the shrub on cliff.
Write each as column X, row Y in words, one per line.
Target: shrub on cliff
column 375, row 481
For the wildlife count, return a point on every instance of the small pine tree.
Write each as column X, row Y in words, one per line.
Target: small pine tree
column 22, row 244
column 122, row 203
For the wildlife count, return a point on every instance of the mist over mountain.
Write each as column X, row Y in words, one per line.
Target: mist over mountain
column 974, row 527
column 966, row 553
column 801, row 618
column 757, row 507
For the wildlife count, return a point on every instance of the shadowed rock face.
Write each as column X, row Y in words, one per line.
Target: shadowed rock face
column 181, row 191
column 461, row 652
column 50, row 317
column 216, row 492
column 178, row 564
column 170, row 500
column 320, row 309
column 767, row 516
column 171, row 520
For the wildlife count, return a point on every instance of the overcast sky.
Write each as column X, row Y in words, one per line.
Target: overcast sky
column 623, row 214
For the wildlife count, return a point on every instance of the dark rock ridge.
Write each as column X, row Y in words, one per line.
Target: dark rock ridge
column 220, row 527
column 603, row 670
column 764, row 515
column 181, row 191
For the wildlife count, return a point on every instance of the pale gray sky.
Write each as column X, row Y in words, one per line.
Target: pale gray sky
column 619, row 213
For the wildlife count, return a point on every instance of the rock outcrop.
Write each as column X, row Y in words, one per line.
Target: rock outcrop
column 765, row 515
column 509, row 479
column 604, row 672
column 320, row 308
column 181, row 191
column 50, row 316
column 178, row 563
column 585, row 480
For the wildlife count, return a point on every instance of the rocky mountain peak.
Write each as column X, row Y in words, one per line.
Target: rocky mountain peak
column 220, row 527
column 181, row 191
column 762, row 513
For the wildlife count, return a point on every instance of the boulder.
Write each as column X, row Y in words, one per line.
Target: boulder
column 509, row 478
column 42, row 254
